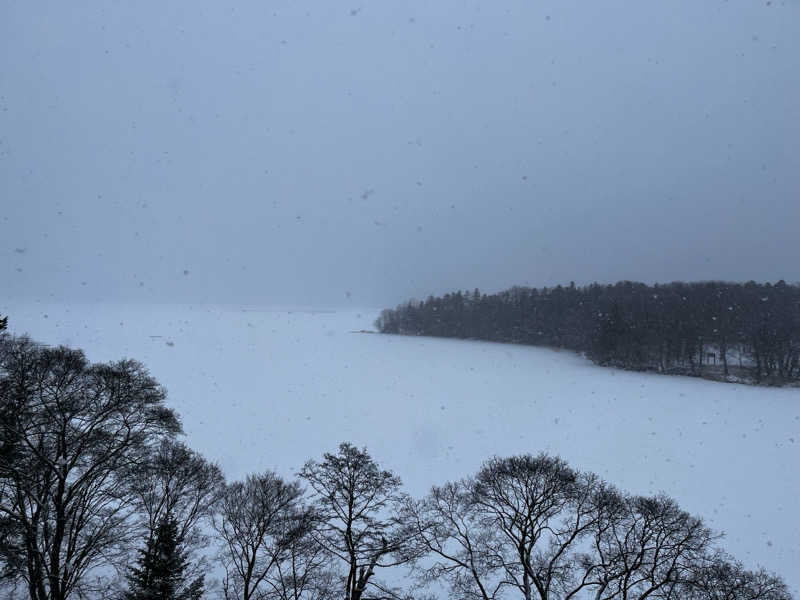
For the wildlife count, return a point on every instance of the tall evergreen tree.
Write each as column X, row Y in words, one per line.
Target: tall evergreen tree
column 160, row 573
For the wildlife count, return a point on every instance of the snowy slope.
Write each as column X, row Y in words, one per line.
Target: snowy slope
column 264, row 389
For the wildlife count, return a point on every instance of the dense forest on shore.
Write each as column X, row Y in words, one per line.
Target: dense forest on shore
column 747, row 332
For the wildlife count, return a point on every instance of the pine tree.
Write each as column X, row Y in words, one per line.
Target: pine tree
column 160, row 573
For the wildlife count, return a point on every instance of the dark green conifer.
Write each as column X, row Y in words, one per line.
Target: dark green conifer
column 160, row 573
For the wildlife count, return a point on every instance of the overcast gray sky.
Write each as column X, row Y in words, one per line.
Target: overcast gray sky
column 329, row 153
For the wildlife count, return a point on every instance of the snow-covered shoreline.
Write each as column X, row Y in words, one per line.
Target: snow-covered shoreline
column 265, row 388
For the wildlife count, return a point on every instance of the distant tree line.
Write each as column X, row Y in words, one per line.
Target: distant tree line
column 745, row 332
column 93, row 483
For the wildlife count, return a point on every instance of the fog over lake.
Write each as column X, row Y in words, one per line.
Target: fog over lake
column 319, row 153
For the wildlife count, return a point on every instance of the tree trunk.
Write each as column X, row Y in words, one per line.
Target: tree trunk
column 723, row 351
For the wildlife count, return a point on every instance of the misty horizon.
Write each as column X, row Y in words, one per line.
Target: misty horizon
column 320, row 155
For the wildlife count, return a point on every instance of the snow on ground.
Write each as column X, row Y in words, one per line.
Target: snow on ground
column 261, row 389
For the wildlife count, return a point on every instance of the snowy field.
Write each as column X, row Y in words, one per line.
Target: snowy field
column 268, row 389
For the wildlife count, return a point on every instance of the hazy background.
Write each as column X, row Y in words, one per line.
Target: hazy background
column 360, row 153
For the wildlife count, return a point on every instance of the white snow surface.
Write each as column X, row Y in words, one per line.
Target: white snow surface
column 270, row 388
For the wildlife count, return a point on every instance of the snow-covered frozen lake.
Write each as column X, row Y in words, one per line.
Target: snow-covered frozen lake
column 261, row 388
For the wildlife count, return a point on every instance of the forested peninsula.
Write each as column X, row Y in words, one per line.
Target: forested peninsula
column 739, row 332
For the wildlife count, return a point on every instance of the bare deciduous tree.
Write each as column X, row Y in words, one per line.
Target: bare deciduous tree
column 72, row 433
column 650, row 548
column 536, row 511
column 260, row 521
column 179, row 483
column 356, row 502
column 722, row 578
column 533, row 528
column 449, row 543
column 521, row 524
column 304, row 572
